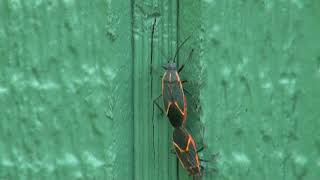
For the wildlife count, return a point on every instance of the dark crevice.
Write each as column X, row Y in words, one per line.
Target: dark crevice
column 318, row 63
column 245, row 81
column 224, row 84
column 177, row 167
column 177, row 45
column 151, row 88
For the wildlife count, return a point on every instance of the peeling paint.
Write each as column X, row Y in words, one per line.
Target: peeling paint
column 240, row 158
column 3, row 91
column 92, row 160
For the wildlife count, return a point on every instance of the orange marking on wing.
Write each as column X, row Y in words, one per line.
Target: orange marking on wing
column 168, row 108
column 178, row 77
column 179, row 81
column 184, row 97
column 197, row 157
column 182, row 112
column 185, row 107
column 184, row 150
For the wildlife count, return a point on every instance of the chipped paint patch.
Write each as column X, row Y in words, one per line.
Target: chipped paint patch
column 68, row 159
column 240, row 157
column 92, row 160
column 50, row 167
column 7, row 163
column 88, row 69
column 226, row 71
column 215, row 28
column 297, row 3
column 16, row 77
column 279, row 154
column 301, row 160
column 78, row 174
column 3, row 90
column 109, row 73
column 267, row 85
column 48, row 85
column 68, row 2
column 209, row 1
column 16, row 4
column 268, row 4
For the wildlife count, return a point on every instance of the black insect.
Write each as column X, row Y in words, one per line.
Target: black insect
column 173, row 93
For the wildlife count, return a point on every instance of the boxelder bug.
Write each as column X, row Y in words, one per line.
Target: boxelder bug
column 174, row 99
column 186, row 151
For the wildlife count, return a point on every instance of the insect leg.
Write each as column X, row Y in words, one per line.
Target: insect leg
column 213, row 157
column 184, row 81
column 193, row 99
column 201, row 167
column 201, row 149
column 203, row 160
column 156, row 103
column 180, row 47
column 186, row 90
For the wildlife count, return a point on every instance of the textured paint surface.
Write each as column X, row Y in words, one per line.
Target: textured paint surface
column 66, row 112
column 261, row 99
column 77, row 86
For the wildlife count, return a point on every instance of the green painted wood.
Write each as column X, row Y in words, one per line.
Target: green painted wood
column 261, row 98
column 76, row 88
column 152, row 137
column 65, row 108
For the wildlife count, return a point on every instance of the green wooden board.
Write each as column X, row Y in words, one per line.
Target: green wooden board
column 152, row 138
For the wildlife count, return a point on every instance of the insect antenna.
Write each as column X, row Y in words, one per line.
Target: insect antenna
column 180, row 47
column 163, row 55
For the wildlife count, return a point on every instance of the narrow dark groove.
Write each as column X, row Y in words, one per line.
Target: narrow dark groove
column 178, row 27
column 154, row 151
column 151, row 57
column 133, row 87
column 177, row 45
column 177, row 168
column 151, row 89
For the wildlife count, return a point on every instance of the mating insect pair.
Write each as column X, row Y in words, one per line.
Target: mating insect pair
column 175, row 105
column 175, row 108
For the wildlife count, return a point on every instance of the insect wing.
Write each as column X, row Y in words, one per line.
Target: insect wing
column 166, row 91
column 177, row 93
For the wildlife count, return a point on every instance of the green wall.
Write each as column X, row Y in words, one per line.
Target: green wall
column 66, row 104
column 261, row 99
column 77, row 86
